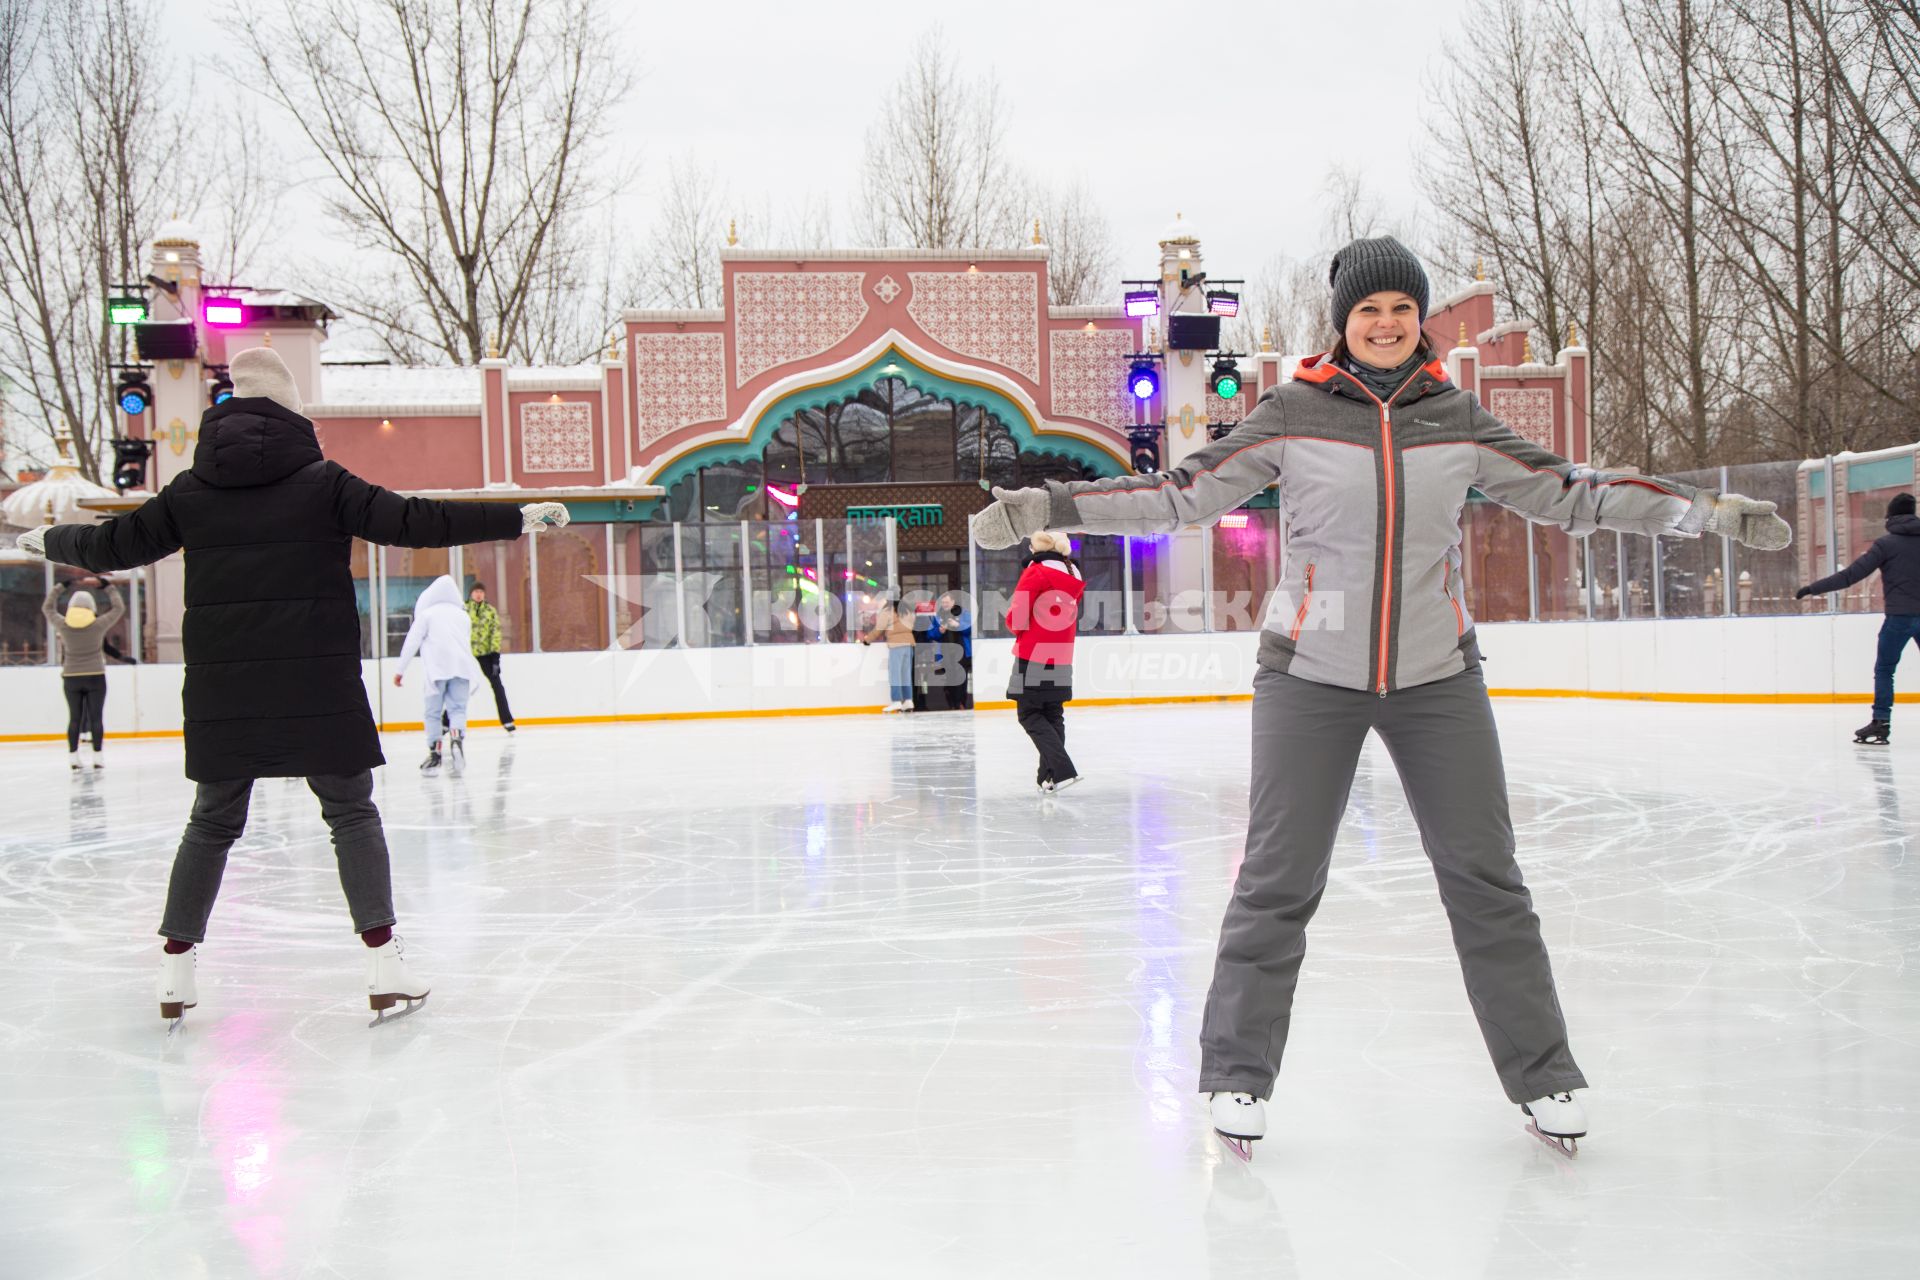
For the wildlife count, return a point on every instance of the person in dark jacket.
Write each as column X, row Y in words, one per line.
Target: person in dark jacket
column 1043, row 616
column 83, row 668
column 271, row 635
column 1895, row 556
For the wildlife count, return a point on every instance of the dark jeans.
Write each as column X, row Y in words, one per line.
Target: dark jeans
column 220, row 816
column 1046, row 723
column 86, row 709
column 490, row 664
column 1895, row 632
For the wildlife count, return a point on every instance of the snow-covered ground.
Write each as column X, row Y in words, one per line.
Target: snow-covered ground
column 842, row 997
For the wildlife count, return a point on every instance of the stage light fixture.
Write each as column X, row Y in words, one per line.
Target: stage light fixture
column 126, row 309
column 223, row 311
column 1143, row 302
column 1223, row 302
column 1226, row 379
column 219, row 386
column 1145, row 445
column 1143, row 380
column 130, row 463
column 133, row 395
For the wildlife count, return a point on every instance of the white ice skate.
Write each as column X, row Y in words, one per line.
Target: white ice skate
column 389, row 983
column 1061, row 784
column 99, row 758
column 890, row 708
column 1557, row 1120
column 457, row 754
column 1240, row 1119
column 177, row 989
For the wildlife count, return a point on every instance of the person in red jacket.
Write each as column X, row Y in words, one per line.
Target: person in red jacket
column 1042, row 616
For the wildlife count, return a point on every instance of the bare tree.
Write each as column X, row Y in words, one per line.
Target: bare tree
column 462, row 139
column 937, row 172
column 683, row 263
column 1081, row 257
column 83, row 133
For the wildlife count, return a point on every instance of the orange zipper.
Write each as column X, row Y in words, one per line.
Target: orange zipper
column 1386, row 566
column 1300, row 618
column 1386, row 570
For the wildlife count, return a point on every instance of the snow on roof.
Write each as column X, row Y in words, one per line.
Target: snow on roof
column 553, row 373
column 347, row 384
column 275, row 298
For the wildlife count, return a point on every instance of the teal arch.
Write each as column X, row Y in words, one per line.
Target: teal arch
column 891, row 363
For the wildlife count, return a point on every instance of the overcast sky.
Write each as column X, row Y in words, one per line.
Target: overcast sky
column 1232, row 113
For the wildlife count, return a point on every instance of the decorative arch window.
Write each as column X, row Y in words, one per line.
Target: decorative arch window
column 889, row 433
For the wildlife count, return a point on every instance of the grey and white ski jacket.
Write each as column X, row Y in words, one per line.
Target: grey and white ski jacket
column 1372, row 491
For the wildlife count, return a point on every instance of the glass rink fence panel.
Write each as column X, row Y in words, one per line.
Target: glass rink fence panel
column 718, row 582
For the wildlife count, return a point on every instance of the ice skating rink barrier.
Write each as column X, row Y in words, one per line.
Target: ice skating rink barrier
column 1820, row 659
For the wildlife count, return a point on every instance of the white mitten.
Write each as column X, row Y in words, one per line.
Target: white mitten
column 1018, row 514
column 1749, row 522
column 537, row 515
column 34, row 543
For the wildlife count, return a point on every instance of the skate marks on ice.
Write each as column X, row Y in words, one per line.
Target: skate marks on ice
column 842, row 997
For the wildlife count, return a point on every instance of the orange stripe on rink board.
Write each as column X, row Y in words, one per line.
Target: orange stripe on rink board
column 415, row 726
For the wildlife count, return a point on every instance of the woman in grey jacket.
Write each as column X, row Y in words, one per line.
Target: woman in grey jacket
column 83, row 671
column 1374, row 452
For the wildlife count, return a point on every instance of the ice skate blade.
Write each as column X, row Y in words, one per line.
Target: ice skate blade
column 382, row 1007
column 1568, row 1147
column 1242, row 1147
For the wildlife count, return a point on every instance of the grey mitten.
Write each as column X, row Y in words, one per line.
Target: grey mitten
column 1018, row 514
column 34, row 543
column 1749, row 522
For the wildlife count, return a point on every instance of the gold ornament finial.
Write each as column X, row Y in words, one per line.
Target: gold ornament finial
column 1479, row 268
column 733, row 233
column 493, row 346
column 1526, row 348
column 613, row 348
column 1573, row 334
column 1266, row 337
column 1463, row 335
column 1036, row 232
column 266, row 339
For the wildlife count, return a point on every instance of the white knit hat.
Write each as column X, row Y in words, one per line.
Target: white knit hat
column 81, row 600
column 259, row 371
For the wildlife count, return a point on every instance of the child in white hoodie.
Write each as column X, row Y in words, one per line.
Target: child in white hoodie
column 442, row 638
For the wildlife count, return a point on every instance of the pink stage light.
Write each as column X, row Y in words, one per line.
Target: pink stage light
column 782, row 497
column 1234, row 520
column 223, row 312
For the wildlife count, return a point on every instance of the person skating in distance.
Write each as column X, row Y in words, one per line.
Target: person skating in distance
column 1042, row 617
column 83, row 665
column 1895, row 556
column 271, row 636
column 441, row 636
column 1374, row 452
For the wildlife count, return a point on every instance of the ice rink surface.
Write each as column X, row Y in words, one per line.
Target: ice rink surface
column 834, row 997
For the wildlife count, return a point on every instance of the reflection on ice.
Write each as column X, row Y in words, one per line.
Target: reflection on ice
column 842, row 996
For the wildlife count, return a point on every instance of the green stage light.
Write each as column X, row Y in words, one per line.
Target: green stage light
column 1226, row 379
column 126, row 310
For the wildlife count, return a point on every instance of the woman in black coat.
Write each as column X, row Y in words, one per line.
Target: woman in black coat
column 271, row 636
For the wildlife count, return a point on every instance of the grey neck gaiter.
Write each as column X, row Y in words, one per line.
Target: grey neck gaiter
column 1382, row 382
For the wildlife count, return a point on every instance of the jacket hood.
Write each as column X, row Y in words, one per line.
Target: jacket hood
column 1908, row 526
column 251, row 441
column 442, row 590
column 1322, row 372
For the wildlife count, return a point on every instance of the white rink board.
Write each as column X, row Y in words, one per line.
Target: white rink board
column 1810, row 657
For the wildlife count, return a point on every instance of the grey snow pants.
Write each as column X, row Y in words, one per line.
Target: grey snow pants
column 220, row 817
column 1306, row 746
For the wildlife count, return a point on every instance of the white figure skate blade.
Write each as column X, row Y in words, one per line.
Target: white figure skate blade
column 1568, row 1147
column 405, row 1009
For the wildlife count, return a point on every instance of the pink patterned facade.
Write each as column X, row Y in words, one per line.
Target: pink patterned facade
column 680, row 388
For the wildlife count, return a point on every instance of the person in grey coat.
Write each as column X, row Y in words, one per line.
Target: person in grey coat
column 1895, row 556
column 83, row 668
column 1374, row 451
